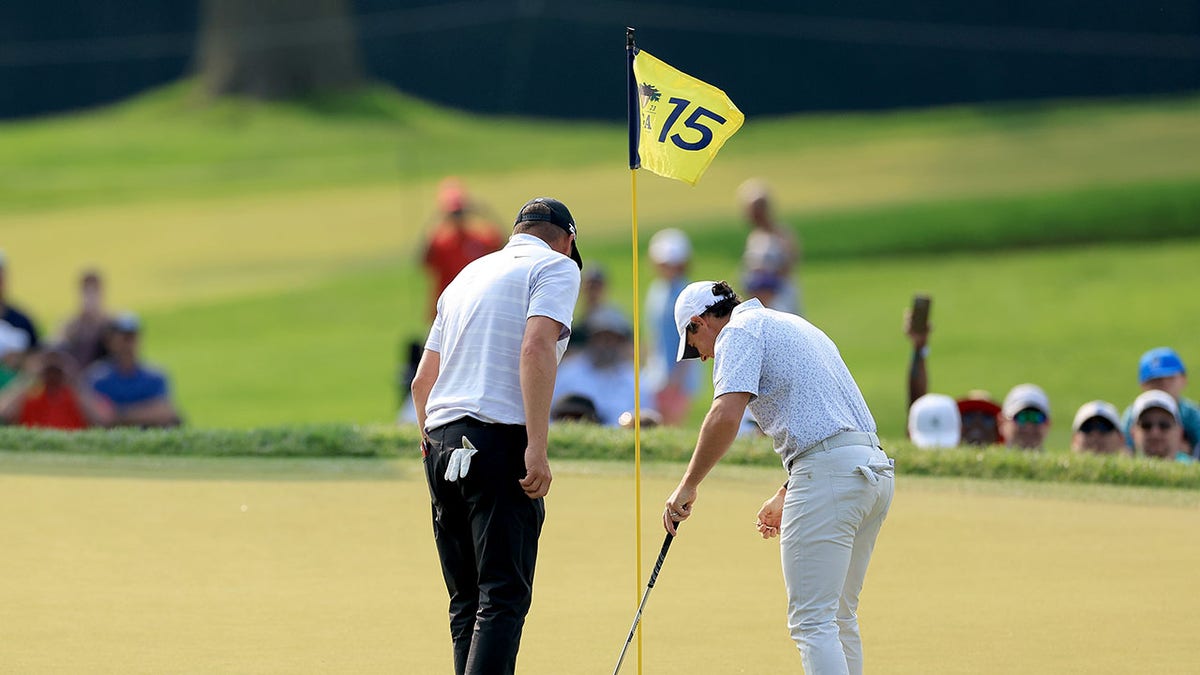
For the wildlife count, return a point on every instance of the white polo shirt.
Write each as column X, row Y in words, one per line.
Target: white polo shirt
column 480, row 325
column 800, row 389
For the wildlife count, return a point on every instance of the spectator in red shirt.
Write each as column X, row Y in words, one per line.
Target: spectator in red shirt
column 460, row 236
column 48, row 394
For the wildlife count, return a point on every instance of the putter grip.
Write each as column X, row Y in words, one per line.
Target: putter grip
column 662, row 555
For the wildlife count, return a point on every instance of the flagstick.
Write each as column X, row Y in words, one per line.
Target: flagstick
column 634, row 164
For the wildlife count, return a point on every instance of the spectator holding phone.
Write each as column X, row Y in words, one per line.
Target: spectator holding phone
column 979, row 415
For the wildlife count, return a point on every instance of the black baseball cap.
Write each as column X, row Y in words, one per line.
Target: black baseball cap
column 559, row 215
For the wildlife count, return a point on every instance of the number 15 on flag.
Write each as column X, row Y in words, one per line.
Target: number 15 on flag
column 684, row 121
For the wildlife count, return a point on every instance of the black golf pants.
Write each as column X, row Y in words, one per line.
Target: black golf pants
column 486, row 531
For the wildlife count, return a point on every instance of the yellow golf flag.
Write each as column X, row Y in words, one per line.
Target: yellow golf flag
column 684, row 121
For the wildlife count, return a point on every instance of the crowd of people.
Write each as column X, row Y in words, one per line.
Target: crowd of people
column 1159, row 423
column 596, row 382
column 90, row 374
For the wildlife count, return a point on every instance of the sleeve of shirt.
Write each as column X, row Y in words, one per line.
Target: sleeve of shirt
column 434, row 342
column 737, row 364
column 555, row 289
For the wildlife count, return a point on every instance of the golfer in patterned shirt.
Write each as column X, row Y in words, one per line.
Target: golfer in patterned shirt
column 840, row 482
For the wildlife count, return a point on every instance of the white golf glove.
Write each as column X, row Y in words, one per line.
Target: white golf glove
column 460, row 460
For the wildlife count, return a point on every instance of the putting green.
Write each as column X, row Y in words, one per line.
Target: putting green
column 138, row 565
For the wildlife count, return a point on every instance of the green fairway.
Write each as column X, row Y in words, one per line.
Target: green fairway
column 150, row 565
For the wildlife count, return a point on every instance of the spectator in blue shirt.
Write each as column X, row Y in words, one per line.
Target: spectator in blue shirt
column 1161, row 369
column 140, row 394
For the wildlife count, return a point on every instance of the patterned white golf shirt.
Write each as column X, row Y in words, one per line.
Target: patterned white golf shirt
column 800, row 389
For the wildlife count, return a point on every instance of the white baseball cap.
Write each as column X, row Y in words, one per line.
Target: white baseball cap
column 693, row 300
column 1101, row 409
column 1155, row 399
column 934, row 422
column 1025, row 396
column 670, row 247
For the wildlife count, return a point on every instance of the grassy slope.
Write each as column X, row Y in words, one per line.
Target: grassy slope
column 272, row 301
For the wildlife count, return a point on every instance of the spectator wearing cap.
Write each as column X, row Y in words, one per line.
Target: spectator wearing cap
column 1097, row 429
column 1025, row 417
column 934, row 422
column 483, row 394
column 140, row 394
column 1161, row 369
column 16, row 318
column 49, row 394
column 460, row 236
column 674, row 382
column 83, row 335
column 603, row 371
column 771, row 247
column 593, row 296
column 980, row 416
column 1156, row 430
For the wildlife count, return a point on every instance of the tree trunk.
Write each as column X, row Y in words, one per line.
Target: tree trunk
column 277, row 49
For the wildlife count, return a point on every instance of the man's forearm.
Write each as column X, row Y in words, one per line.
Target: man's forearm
column 717, row 433
column 539, row 365
column 422, row 384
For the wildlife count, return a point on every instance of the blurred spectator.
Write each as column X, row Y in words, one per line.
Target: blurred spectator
column 460, row 236
column 674, row 382
column 140, row 394
column 980, row 419
column 934, row 422
column 603, row 371
column 771, row 248
column 1156, row 430
column 574, row 408
column 83, row 335
column 14, row 342
column 763, row 285
column 1025, row 417
column 980, row 416
column 410, row 356
column 15, row 317
column 1097, row 429
column 48, row 394
column 1162, row 369
column 593, row 294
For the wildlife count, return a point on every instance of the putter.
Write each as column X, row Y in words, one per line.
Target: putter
column 662, row 555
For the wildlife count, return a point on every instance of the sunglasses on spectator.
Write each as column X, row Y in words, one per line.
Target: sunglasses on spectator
column 1097, row 424
column 1030, row 416
column 1163, row 425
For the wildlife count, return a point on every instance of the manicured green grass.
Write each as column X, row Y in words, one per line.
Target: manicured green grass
column 587, row 442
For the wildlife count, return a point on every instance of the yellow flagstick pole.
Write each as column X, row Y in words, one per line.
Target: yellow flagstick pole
column 637, row 414
column 634, row 163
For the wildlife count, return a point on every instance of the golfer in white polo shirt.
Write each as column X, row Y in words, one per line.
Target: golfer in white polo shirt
column 840, row 483
column 482, row 394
